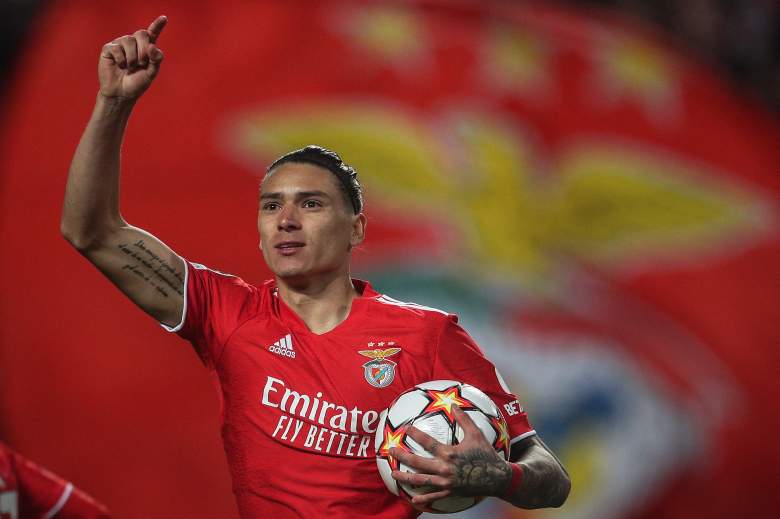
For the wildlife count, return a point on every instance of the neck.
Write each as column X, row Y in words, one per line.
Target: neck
column 321, row 303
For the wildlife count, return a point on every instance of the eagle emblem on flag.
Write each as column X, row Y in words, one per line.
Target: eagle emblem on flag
column 379, row 371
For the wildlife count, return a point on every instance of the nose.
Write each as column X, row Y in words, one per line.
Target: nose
column 288, row 218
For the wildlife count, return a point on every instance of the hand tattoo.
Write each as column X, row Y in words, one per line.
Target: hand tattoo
column 480, row 473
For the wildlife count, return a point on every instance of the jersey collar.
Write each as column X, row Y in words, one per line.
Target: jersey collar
column 355, row 317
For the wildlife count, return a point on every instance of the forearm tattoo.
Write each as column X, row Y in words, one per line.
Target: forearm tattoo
column 544, row 484
column 151, row 268
column 480, row 473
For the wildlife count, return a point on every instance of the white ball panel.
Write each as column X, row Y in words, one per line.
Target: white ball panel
column 480, row 399
column 385, row 471
column 459, row 433
column 436, row 426
column 481, row 421
column 438, row 385
column 406, row 407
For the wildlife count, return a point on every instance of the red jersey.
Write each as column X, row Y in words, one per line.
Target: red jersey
column 28, row 491
column 299, row 410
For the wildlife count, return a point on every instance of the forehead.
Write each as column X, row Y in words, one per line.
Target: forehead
column 292, row 177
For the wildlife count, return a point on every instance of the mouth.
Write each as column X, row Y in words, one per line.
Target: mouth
column 288, row 248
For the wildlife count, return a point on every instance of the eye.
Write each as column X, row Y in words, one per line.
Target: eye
column 270, row 206
column 312, row 203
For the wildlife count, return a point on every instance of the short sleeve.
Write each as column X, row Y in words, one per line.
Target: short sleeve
column 43, row 494
column 40, row 491
column 215, row 305
column 459, row 358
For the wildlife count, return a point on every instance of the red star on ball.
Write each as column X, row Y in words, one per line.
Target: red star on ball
column 392, row 438
column 444, row 400
column 502, row 435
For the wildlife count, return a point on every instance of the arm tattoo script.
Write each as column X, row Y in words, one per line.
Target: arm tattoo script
column 152, row 268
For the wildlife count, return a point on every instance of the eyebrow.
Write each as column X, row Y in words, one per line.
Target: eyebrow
column 300, row 194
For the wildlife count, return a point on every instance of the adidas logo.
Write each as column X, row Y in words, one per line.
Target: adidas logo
column 283, row 347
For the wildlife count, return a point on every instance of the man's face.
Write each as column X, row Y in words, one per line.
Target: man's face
column 305, row 226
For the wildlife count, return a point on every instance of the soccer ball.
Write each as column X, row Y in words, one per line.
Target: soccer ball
column 428, row 407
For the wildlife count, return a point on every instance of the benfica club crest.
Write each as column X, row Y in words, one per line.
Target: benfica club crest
column 379, row 371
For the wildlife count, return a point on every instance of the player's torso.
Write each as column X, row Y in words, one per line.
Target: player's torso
column 322, row 394
column 301, row 408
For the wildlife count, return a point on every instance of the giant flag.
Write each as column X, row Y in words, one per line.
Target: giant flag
column 600, row 209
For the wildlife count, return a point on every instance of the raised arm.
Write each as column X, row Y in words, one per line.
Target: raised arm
column 143, row 267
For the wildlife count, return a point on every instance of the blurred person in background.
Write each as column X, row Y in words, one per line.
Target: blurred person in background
column 28, row 491
column 310, row 220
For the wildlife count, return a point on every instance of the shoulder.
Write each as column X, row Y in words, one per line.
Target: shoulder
column 226, row 287
column 225, row 277
column 412, row 312
column 217, row 278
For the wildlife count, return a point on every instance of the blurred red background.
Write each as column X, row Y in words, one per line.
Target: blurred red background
column 600, row 209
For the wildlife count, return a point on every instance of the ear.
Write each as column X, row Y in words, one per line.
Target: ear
column 358, row 230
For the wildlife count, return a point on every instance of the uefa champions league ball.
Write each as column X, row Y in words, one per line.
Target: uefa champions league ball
column 428, row 407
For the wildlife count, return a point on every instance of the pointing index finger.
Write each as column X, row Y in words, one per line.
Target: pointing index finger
column 156, row 27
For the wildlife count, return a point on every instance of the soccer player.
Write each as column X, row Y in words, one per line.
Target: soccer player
column 308, row 360
column 28, row 491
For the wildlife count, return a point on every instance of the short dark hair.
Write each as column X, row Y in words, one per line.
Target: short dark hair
column 330, row 160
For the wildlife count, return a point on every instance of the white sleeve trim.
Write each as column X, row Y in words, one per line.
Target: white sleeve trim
column 521, row 437
column 176, row 328
column 60, row 503
column 395, row 302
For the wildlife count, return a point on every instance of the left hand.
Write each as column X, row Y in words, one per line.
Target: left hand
column 471, row 468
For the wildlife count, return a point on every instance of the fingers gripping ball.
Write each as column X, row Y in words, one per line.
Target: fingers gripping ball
column 428, row 407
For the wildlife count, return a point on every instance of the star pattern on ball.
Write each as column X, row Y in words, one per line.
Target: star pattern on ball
column 442, row 401
column 502, row 435
column 392, row 437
